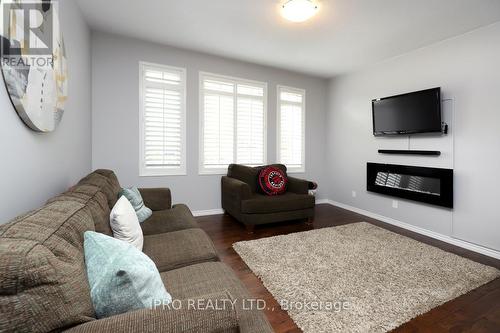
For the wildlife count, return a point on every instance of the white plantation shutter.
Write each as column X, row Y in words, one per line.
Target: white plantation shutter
column 250, row 125
column 218, row 132
column 291, row 128
column 163, row 113
column 233, row 113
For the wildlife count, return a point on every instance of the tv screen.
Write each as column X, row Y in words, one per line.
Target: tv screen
column 416, row 112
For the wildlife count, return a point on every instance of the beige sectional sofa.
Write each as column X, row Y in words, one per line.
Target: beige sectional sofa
column 43, row 282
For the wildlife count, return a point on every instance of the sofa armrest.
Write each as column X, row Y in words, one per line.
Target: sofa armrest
column 156, row 198
column 297, row 185
column 181, row 316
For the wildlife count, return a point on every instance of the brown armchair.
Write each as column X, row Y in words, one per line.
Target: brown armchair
column 242, row 199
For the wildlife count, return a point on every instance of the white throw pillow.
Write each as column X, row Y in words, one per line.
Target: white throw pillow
column 125, row 224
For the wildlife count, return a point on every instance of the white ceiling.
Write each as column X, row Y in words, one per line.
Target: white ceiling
column 345, row 35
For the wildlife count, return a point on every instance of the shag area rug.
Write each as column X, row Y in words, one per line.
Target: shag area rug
column 358, row 277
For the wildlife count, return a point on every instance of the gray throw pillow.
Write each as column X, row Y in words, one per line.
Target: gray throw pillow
column 134, row 196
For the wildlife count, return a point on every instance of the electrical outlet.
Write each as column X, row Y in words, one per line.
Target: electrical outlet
column 395, row 204
column 354, row 194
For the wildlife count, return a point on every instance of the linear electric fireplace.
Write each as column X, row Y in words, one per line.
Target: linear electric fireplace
column 429, row 185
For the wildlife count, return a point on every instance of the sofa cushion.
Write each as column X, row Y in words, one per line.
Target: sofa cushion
column 263, row 204
column 111, row 176
column 106, row 185
column 125, row 224
column 158, row 198
column 214, row 277
column 92, row 197
column 179, row 217
column 179, row 248
column 134, row 196
column 121, row 277
column 43, row 280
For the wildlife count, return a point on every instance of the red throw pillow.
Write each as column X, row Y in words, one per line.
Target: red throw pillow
column 272, row 181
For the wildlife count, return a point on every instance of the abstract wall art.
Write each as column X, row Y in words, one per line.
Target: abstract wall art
column 34, row 64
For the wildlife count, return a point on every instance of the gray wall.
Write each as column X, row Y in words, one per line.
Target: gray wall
column 115, row 110
column 467, row 69
column 37, row 166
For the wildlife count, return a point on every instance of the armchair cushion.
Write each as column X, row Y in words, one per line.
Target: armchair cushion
column 263, row 204
column 245, row 174
column 272, row 181
column 250, row 175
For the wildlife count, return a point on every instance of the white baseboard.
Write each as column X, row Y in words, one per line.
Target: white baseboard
column 207, row 212
column 322, row 201
column 454, row 241
column 447, row 239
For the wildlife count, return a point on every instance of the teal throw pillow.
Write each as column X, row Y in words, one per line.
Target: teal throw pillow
column 121, row 277
column 134, row 196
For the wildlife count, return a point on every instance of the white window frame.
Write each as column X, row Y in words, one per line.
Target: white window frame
column 235, row 80
column 167, row 171
column 280, row 88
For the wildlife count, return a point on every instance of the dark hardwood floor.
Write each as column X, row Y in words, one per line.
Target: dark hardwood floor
column 477, row 311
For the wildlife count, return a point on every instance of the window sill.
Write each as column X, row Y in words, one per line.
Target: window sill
column 296, row 171
column 217, row 172
column 162, row 173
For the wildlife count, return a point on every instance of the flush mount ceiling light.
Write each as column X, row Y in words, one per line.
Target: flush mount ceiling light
column 299, row 10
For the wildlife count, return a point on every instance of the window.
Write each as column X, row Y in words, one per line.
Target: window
column 232, row 123
column 291, row 128
column 162, row 120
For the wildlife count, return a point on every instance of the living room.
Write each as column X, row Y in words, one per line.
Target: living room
column 250, row 166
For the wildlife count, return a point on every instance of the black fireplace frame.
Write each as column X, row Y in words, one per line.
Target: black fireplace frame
column 445, row 199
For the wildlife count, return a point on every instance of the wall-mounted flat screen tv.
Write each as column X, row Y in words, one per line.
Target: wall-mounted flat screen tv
column 416, row 112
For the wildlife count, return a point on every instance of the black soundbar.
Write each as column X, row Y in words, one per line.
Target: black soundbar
column 410, row 152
